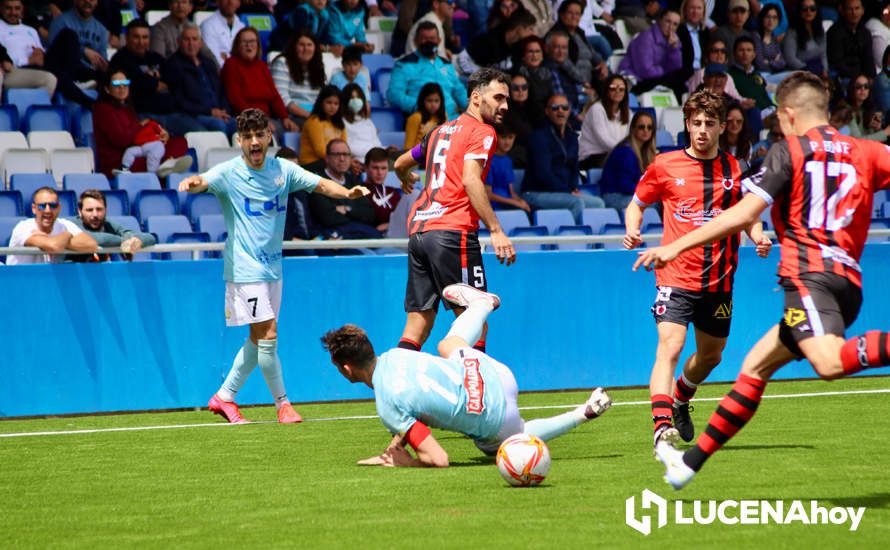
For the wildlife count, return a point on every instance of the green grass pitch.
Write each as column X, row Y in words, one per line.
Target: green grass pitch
column 265, row 485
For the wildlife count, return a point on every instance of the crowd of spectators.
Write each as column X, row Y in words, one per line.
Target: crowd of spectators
column 572, row 106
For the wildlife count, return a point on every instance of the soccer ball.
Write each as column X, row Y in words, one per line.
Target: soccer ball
column 523, row 460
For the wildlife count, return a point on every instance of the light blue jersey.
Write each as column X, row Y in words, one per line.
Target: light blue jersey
column 254, row 204
column 462, row 395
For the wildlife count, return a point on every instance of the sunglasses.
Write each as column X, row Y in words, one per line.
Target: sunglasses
column 739, row 10
column 125, row 82
column 559, row 107
column 519, row 87
column 862, row 87
column 643, row 127
column 617, row 89
column 808, row 8
column 338, row 154
column 47, row 205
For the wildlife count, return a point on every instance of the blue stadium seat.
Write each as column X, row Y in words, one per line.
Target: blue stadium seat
column 511, row 219
column 200, row 204
column 155, row 202
column 117, row 203
column 518, row 176
column 45, row 117
column 376, row 61
column 11, row 204
column 214, row 225
column 597, row 217
column 186, row 238
column 650, row 215
column 663, row 138
column 128, row 222
column 611, row 229
column 23, row 98
column 173, row 183
column 9, row 118
column 885, row 210
column 880, row 223
column 388, row 120
column 68, row 202
column 6, row 226
column 653, row 228
column 396, row 139
column 292, row 140
column 530, row 231
column 164, row 226
column 376, row 100
column 380, row 82
column 134, row 182
column 553, row 218
column 81, row 182
column 26, row 184
column 565, row 230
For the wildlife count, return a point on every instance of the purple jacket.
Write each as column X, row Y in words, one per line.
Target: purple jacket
column 650, row 56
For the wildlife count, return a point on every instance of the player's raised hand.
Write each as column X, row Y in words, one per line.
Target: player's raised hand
column 357, row 192
column 763, row 246
column 503, row 248
column 654, row 258
column 408, row 179
column 192, row 184
column 632, row 240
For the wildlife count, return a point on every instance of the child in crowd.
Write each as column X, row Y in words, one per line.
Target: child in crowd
column 149, row 142
column 352, row 71
column 500, row 180
column 347, row 26
column 429, row 114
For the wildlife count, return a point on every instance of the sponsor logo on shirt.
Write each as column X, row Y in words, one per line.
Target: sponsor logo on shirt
column 475, row 386
column 435, row 210
column 686, row 214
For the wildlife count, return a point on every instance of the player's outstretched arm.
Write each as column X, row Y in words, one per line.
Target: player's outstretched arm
column 331, row 188
column 404, row 168
column 193, row 184
column 429, row 454
column 730, row 222
column 633, row 220
column 475, row 188
column 762, row 243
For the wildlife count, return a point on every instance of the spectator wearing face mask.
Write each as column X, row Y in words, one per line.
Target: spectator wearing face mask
column 361, row 134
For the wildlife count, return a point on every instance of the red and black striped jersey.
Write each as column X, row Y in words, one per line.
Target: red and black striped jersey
column 821, row 187
column 443, row 203
column 693, row 191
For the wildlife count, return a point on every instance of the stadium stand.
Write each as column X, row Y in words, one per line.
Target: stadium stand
column 596, row 218
column 11, row 204
column 552, row 219
column 132, row 183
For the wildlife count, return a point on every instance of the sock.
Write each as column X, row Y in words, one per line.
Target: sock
column 469, row 324
column 244, row 363
column 662, row 410
column 555, row 426
column 267, row 357
column 685, row 390
column 735, row 410
column 480, row 345
column 407, row 343
column 865, row 352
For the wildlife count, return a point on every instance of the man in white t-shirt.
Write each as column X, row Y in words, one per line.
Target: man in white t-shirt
column 219, row 29
column 48, row 233
column 24, row 49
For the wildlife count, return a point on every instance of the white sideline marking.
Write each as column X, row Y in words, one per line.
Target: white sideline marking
column 372, row 417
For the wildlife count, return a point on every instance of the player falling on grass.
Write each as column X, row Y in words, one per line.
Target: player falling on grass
column 253, row 190
column 821, row 187
column 443, row 245
column 463, row 391
column 694, row 185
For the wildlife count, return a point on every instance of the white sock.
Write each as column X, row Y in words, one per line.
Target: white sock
column 555, row 426
column 242, row 366
column 270, row 366
column 468, row 325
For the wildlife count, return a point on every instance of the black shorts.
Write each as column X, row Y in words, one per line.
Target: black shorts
column 709, row 312
column 817, row 304
column 437, row 259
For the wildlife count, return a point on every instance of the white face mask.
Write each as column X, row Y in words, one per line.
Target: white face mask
column 356, row 104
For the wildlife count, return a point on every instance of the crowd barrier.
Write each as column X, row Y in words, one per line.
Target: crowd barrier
column 82, row 338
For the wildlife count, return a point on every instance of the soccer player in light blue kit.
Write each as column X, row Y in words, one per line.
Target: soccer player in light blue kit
column 464, row 390
column 253, row 190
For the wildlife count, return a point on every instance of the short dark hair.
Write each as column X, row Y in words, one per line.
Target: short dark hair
column 94, row 194
column 741, row 40
column 349, row 344
column 484, row 77
column 318, row 107
column 252, row 120
column 707, row 102
column 519, row 19
column 504, row 129
column 352, row 53
column 565, row 5
column 286, row 153
column 138, row 23
column 376, row 154
column 425, row 26
column 44, row 188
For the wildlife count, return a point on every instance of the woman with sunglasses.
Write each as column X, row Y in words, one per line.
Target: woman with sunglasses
column 804, row 45
column 117, row 128
column 867, row 121
column 539, row 76
column 605, row 123
column 627, row 162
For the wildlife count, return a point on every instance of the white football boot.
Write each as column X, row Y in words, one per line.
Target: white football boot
column 598, row 403
column 676, row 472
column 461, row 295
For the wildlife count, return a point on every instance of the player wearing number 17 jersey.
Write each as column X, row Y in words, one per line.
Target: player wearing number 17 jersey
column 821, row 187
column 443, row 245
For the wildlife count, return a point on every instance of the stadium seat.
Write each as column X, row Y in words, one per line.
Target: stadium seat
column 592, row 181
column 187, row 238
column 622, row 31
column 214, row 225
column 885, row 210
column 377, row 61
column 164, row 226
column 50, row 140
column 380, row 41
column 46, row 118
column 659, row 97
column 82, row 128
column 597, row 217
column 6, row 226
column 672, row 120
column 650, row 215
column 216, row 155
column 11, row 204
column 68, row 203
column 71, row 161
column 117, row 202
column 129, row 222
column 81, row 182
column 292, row 140
column 553, row 218
column 173, row 183
column 611, row 229
column 653, row 228
column 518, row 176
column 663, row 138
column 23, row 161
column 9, row 118
column 12, row 140
column 126, row 17
column 382, row 23
column 381, row 83
column 396, row 139
column 388, row 120
column 201, row 142
column 530, row 231
column 22, row 98
column 331, row 64
column 880, row 223
column 134, row 182
column 565, row 230
column 27, row 183
column 198, row 205
column 153, row 16
column 511, row 219
column 376, row 100
column 155, row 202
